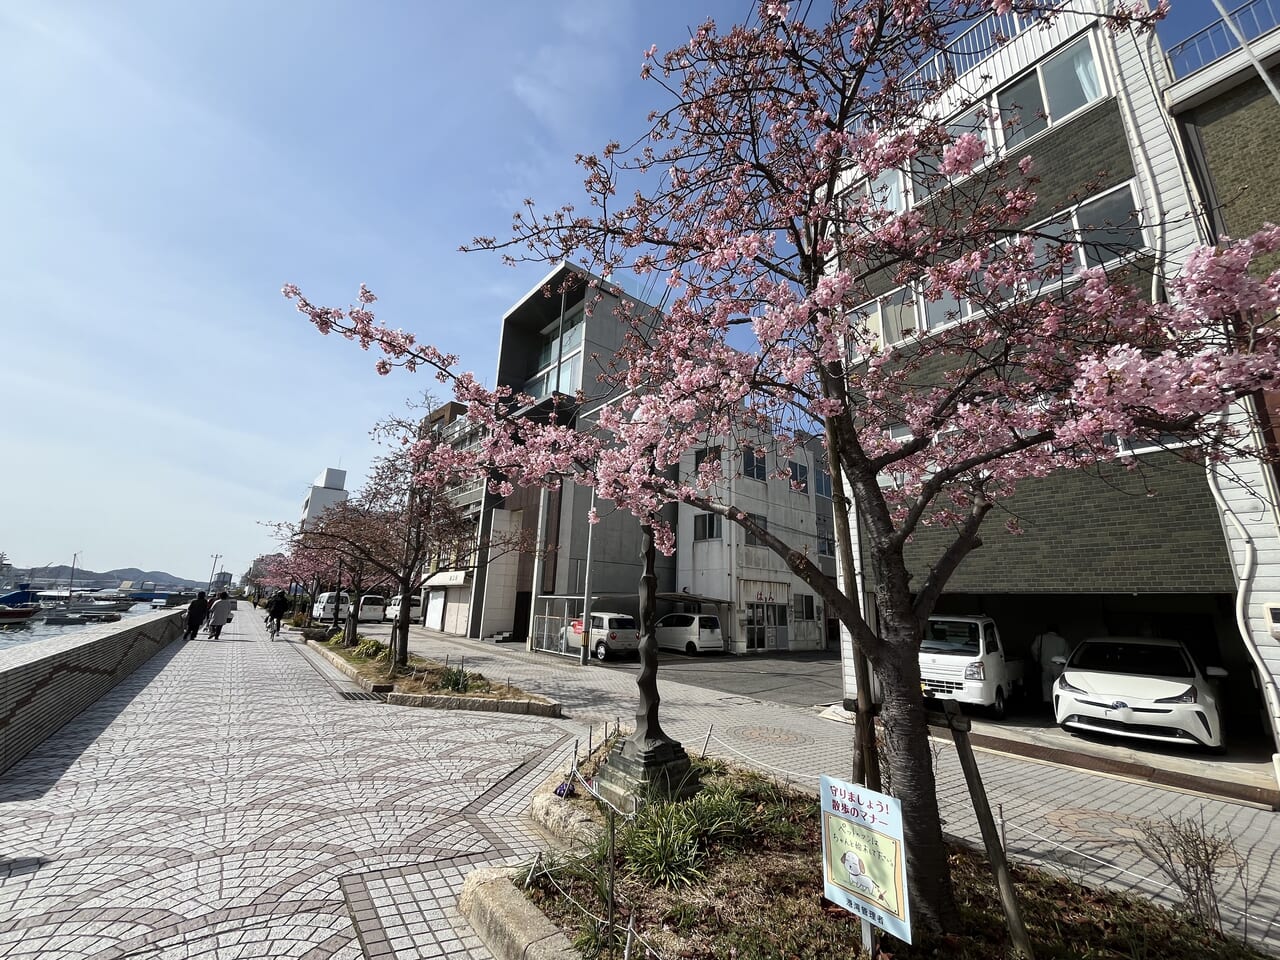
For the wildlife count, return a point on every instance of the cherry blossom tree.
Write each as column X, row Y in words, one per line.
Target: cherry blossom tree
column 753, row 200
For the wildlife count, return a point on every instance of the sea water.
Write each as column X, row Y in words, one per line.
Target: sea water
column 15, row 633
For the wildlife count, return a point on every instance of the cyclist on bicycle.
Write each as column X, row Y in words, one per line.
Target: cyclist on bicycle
column 277, row 607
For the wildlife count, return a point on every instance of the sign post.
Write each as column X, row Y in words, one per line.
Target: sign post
column 864, row 863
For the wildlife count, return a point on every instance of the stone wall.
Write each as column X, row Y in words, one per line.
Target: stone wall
column 45, row 683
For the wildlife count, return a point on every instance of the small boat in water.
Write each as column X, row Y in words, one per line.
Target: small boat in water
column 62, row 619
column 18, row 614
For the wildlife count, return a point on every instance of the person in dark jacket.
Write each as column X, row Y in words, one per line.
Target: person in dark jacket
column 277, row 607
column 197, row 612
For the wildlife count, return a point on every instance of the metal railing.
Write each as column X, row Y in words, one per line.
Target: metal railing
column 970, row 48
column 1217, row 40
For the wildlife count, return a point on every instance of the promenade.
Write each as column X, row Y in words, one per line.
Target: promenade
column 234, row 800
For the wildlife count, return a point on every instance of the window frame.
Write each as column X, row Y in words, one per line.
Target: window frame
column 750, row 539
column 754, row 465
column 712, row 529
column 1037, row 70
column 799, row 480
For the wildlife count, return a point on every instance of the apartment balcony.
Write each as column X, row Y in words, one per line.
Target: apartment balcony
column 1254, row 19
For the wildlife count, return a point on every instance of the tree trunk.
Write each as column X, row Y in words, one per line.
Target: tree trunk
column 648, row 730
column 400, row 630
column 353, row 615
column 906, row 734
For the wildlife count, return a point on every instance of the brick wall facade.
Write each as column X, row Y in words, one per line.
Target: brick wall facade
column 1237, row 132
column 1096, row 532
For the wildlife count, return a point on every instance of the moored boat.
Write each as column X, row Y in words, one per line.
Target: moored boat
column 17, row 614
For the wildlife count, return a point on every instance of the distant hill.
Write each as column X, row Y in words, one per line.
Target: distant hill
column 112, row 578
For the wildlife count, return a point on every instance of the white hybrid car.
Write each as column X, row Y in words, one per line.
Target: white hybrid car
column 1139, row 687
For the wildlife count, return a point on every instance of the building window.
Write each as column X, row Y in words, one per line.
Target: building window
column 702, row 456
column 799, row 476
column 763, row 524
column 802, row 607
column 753, row 464
column 1101, row 229
column 887, row 191
column 1109, row 226
column 707, row 526
column 893, row 317
column 1048, row 94
column 558, row 362
column 822, row 483
column 826, row 545
column 926, row 179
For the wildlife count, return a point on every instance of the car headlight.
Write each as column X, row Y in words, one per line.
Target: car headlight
column 1189, row 695
column 1068, row 687
column 975, row 671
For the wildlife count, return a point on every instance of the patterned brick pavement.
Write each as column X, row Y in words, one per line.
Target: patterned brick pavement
column 1077, row 822
column 227, row 802
column 220, row 801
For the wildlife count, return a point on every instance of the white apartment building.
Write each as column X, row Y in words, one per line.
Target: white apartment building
column 328, row 489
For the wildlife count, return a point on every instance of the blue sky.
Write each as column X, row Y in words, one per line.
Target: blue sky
column 167, row 166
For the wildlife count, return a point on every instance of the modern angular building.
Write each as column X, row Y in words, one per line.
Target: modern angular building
column 551, row 346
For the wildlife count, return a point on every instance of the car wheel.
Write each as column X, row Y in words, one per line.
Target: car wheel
column 998, row 706
column 602, row 651
column 691, row 648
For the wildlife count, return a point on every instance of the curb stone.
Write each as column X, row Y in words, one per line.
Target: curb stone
column 499, row 912
column 551, row 708
column 510, row 926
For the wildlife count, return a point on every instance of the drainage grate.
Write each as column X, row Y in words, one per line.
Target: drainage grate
column 362, row 695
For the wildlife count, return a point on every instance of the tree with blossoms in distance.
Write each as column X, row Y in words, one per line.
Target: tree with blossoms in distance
column 753, row 199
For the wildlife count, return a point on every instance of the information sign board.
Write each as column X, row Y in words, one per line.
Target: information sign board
column 864, row 864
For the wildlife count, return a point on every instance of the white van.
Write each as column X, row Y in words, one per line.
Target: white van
column 690, row 633
column 322, row 609
column 392, row 612
column 372, row 607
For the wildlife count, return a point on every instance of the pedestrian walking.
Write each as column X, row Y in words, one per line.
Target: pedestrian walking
column 197, row 612
column 219, row 614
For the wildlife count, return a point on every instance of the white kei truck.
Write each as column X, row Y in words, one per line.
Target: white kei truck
column 963, row 658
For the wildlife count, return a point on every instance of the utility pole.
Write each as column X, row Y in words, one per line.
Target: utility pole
column 213, row 569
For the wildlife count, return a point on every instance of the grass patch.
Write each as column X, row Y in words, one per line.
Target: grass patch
column 736, row 873
column 372, row 660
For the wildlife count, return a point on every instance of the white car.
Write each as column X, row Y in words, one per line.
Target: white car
column 372, row 607
column 690, row 633
column 611, row 634
column 322, row 609
column 1139, row 687
column 392, row 612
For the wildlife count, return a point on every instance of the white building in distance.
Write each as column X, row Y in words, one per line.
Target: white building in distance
column 329, row 488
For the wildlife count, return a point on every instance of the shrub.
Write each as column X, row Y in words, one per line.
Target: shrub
column 455, row 679
column 369, row 648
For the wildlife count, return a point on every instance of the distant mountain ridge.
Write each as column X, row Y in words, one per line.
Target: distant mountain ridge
column 113, row 578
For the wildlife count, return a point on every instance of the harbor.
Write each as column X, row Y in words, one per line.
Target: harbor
column 56, row 621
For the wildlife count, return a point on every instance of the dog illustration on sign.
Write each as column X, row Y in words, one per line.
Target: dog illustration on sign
column 858, row 878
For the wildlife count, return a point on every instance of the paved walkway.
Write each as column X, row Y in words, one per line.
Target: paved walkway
column 1079, row 823
column 226, row 801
